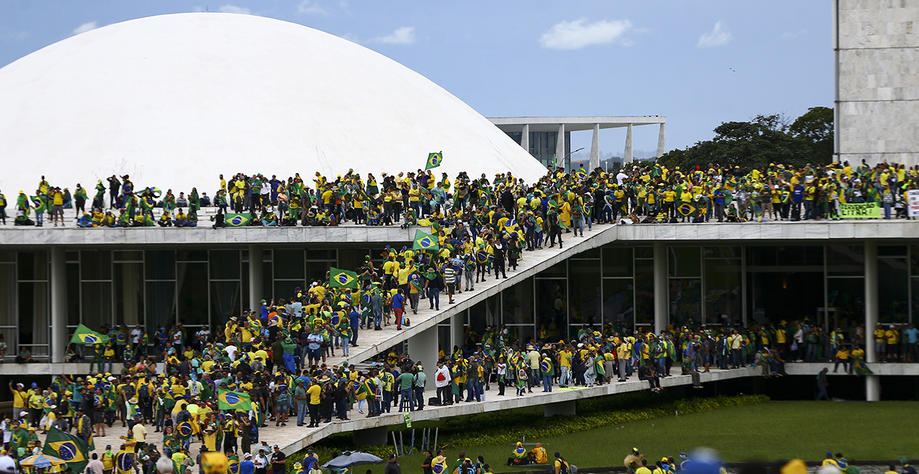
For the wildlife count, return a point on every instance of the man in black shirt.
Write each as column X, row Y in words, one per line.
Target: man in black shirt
column 392, row 467
column 426, row 464
column 278, row 461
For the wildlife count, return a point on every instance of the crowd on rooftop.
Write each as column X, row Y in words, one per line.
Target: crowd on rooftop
column 643, row 192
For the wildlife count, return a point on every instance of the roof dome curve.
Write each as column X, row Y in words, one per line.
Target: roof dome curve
column 173, row 100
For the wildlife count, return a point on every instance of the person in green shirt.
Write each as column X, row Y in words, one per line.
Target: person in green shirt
column 406, row 380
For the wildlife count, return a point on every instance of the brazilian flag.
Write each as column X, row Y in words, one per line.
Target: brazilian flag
column 38, row 203
column 339, row 278
column 184, row 429
column 686, row 209
column 238, row 220
column 227, row 400
column 85, row 335
column 68, row 447
column 434, row 160
column 425, row 241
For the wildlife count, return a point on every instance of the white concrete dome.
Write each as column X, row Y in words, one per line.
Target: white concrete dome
column 174, row 100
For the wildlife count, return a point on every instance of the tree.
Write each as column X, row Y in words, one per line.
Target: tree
column 816, row 128
column 764, row 140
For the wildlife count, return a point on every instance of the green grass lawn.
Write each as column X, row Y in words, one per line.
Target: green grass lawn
column 760, row 432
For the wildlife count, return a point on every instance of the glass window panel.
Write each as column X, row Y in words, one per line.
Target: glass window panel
column 245, row 287
column 893, row 292
column 644, row 291
column 846, row 302
column 352, row 259
column 267, row 281
column 72, row 256
column 288, row 264
column 517, row 303
column 443, row 339
column 96, row 304
column 592, row 253
column 617, row 261
column 321, row 254
column 160, row 265
column 225, row 301
column 774, row 296
column 915, row 303
column 722, row 252
column 618, row 302
column 685, row 300
column 644, row 252
column 845, row 260
column 96, row 264
column 557, row 270
column 73, row 294
column 34, row 313
column 7, row 256
column 286, row 289
column 129, row 293
column 551, row 308
column 33, row 266
column 799, row 255
column 192, row 301
column 8, row 296
column 224, row 264
column 585, row 298
column 722, row 292
column 914, row 257
column 684, row 261
column 316, row 271
column 192, row 255
column 892, row 250
column 128, row 255
column 519, row 335
column 161, row 305
column 484, row 314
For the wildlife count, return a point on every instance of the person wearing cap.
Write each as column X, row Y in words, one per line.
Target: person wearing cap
column 278, row 461
column 392, row 467
column 20, row 398
column 561, row 466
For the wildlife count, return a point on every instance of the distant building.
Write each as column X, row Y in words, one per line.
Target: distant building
column 540, row 135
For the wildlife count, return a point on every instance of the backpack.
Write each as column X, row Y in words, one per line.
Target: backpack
column 563, row 467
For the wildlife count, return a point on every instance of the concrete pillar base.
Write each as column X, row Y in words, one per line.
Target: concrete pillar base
column 560, row 409
column 370, row 437
column 872, row 388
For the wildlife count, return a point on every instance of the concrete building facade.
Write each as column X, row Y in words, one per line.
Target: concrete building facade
column 876, row 48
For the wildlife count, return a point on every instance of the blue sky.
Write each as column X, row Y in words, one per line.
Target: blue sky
column 697, row 62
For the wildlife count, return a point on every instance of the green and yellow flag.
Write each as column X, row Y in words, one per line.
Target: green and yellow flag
column 238, row 220
column 339, row 278
column 68, row 447
column 434, row 160
column 425, row 241
column 227, row 400
column 85, row 335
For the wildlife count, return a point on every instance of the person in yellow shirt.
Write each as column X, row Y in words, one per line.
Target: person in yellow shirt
column 842, row 357
column 892, row 337
column 880, row 346
column 20, row 397
column 314, row 398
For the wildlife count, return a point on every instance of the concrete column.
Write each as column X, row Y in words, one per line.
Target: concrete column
column 457, row 323
column 661, row 142
column 872, row 382
column 370, row 437
column 568, row 408
column 595, row 148
column 560, row 157
column 627, row 155
column 255, row 277
column 422, row 347
column 58, row 304
column 661, row 297
column 525, row 137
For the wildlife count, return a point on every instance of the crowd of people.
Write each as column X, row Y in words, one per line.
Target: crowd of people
column 643, row 192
